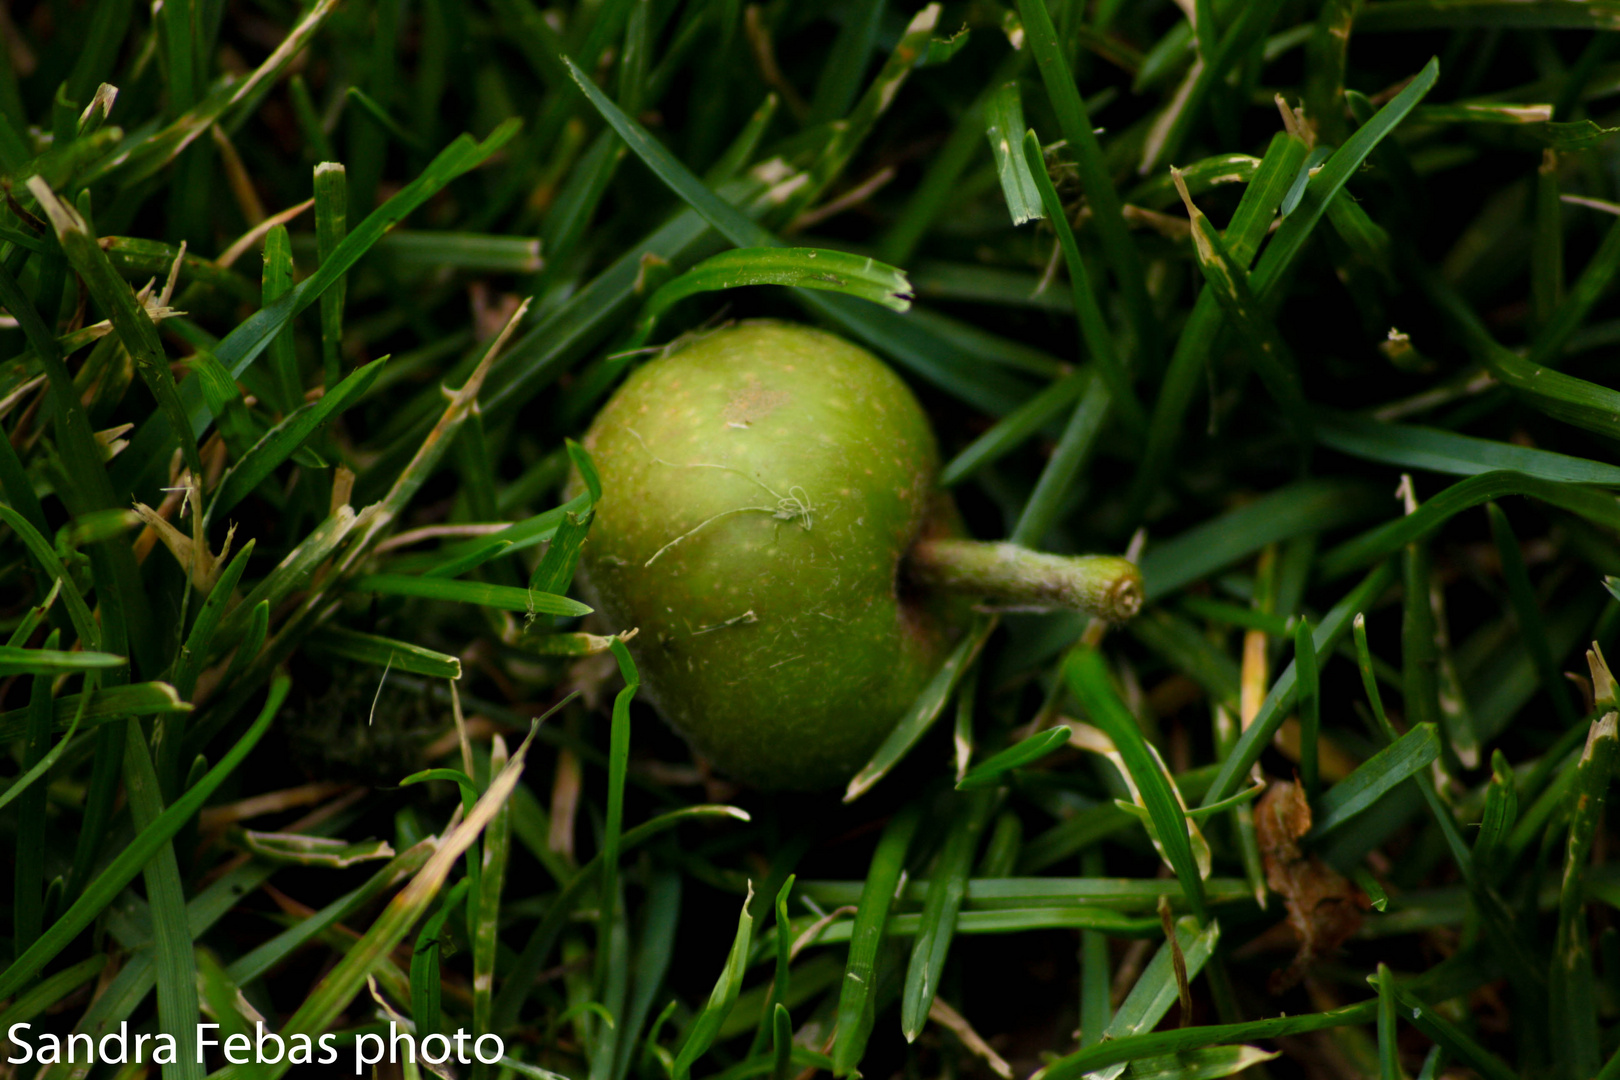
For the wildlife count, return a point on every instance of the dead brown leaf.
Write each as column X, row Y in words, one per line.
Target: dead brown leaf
column 1324, row 907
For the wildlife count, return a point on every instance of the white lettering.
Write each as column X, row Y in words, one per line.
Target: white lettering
column 428, row 1057
column 17, row 1035
column 203, row 1041
column 360, row 1059
column 261, row 1036
column 478, row 1049
column 121, row 1037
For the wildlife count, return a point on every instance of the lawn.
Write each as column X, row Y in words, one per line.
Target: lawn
column 312, row 737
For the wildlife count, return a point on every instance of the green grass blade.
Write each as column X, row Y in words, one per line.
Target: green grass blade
column 1005, row 127
column 810, row 268
column 612, row 831
column 856, row 1004
column 244, row 345
column 1414, row 447
column 937, row 922
column 1087, row 678
column 1374, row 778
column 323, row 1006
column 1527, row 613
column 1301, row 507
column 283, row 440
column 1099, row 340
column 280, row 357
column 1386, row 539
column 994, row 770
column 1310, row 708
column 1283, row 692
column 924, row 711
column 106, row 885
column 1154, row 1044
column 1158, row 988
column 383, row 652
column 130, row 320
column 1107, row 213
column 501, row 597
column 721, row 998
column 1572, row 996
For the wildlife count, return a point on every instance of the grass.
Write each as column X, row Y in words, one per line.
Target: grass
column 302, row 723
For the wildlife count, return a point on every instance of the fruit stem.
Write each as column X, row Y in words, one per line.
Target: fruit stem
column 1015, row 578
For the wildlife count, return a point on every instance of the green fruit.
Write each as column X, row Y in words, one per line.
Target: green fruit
column 761, row 489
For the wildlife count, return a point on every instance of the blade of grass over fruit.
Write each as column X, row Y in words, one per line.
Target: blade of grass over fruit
column 243, row 345
column 323, row 1006
column 1283, row 692
column 994, row 769
column 1099, row 340
column 924, row 711
column 856, row 1004
column 937, row 922
column 1571, row 982
column 1004, row 125
column 721, row 998
column 283, row 440
column 501, row 597
column 811, row 268
column 1248, row 227
column 906, row 341
column 1415, row 447
column 386, row 652
column 1386, row 539
column 1527, row 613
column 1088, row 679
column 1108, row 216
column 521, row 975
column 106, row 885
column 1375, row 778
column 1301, row 507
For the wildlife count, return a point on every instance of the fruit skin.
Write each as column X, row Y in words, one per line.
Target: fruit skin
column 759, row 489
